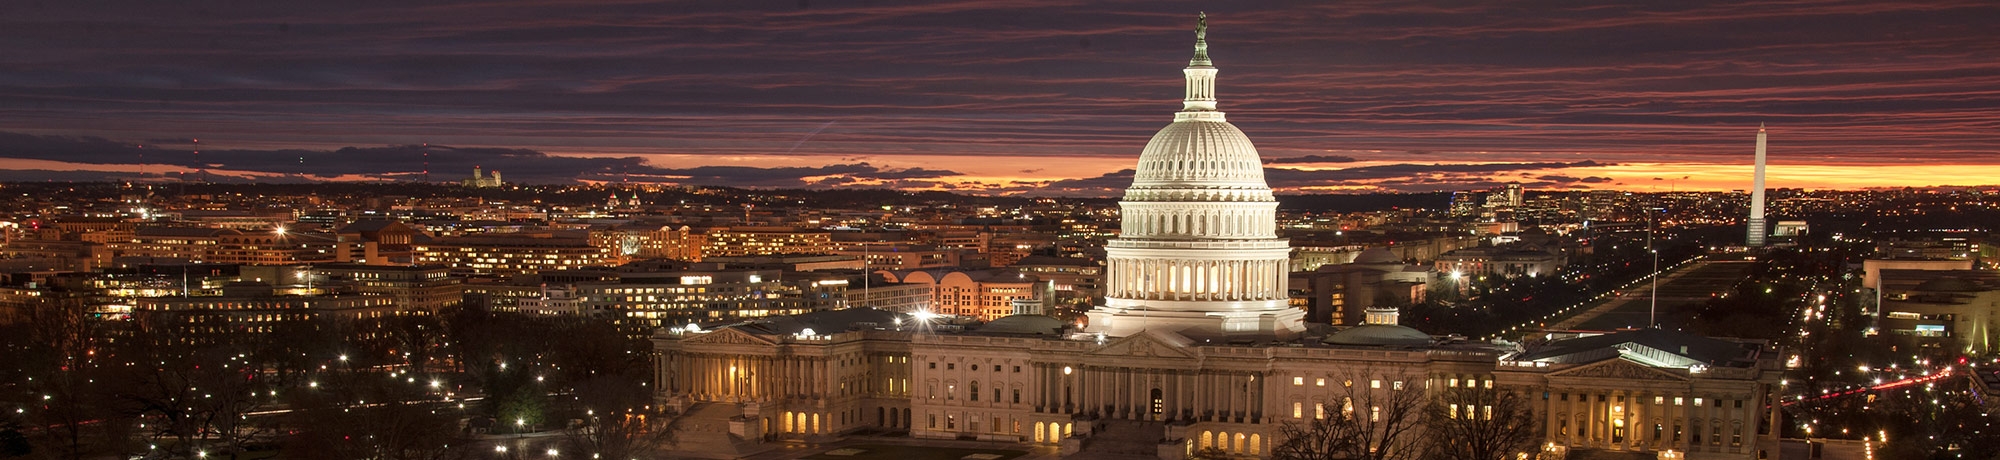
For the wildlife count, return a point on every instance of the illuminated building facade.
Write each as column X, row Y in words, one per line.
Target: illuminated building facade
column 982, row 294
column 1500, row 262
column 764, row 241
column 428, row 288
column 512, row 254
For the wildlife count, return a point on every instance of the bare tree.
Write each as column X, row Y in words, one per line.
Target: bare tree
column 1478, row 423
column 57, row 353
column 363, row 414
column 1379, row 417
column 184, row 377
column 616, row 421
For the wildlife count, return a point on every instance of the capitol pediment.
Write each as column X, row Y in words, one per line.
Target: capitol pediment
column 1145, row 344
column 727, row 336
column 1622, row 369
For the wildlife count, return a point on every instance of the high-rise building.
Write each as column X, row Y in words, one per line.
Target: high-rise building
column 1199, row 252
column 1756, row 230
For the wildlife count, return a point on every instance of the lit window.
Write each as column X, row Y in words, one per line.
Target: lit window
column 1297, row 381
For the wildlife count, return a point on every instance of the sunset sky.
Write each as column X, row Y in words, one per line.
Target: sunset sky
column 1042, row 97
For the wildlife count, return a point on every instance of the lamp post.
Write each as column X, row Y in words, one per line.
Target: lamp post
column 1653, row 312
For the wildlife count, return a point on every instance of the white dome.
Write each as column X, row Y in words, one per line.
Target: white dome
column 1198, row 250
column 1193, row 153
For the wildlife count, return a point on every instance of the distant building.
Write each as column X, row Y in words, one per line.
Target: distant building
column 481, row 180
column 788, row 262
column 1944, row 245
column 1942, row 312
column 1871, row 269
column 1790, row 229
column 1341, row 294
column 428, row 288
column 1501, row 261
column 1073, row 279
column 1466, row 203
column 274, row 247
column 190, row 244
column 983, row 294
column 898, row 257
column 226, row 246
column 512, row 254
column 378, row 242
column 764, row 241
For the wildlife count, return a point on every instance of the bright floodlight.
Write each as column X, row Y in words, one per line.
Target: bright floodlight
column 924, row 315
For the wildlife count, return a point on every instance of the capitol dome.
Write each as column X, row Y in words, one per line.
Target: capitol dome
column 1199, row 154
column 1198, row 250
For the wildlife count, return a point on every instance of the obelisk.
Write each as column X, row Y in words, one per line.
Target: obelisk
column 1757, row 231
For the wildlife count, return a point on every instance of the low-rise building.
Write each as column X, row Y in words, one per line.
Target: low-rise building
column 983, row 294
column 1501, row 261
column 513, row 253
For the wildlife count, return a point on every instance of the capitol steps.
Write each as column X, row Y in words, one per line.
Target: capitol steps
column 704, row 432
column 1124, row 439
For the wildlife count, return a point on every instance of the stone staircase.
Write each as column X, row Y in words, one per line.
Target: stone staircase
column 704, row 433
column 1601, row 454
column 1124, row 440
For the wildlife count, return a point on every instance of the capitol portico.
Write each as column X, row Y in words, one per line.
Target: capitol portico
column 1195, row 349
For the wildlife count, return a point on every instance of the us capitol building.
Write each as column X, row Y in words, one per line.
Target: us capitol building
column 1194, row 349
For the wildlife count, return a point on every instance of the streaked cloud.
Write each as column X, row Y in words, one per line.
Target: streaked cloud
column 1000, row 95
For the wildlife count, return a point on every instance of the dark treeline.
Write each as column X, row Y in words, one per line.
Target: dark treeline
column 81, row 384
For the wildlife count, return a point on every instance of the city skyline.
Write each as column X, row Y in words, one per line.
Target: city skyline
column 1366, row 98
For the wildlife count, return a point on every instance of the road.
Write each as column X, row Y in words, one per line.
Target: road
column 1691, row 283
